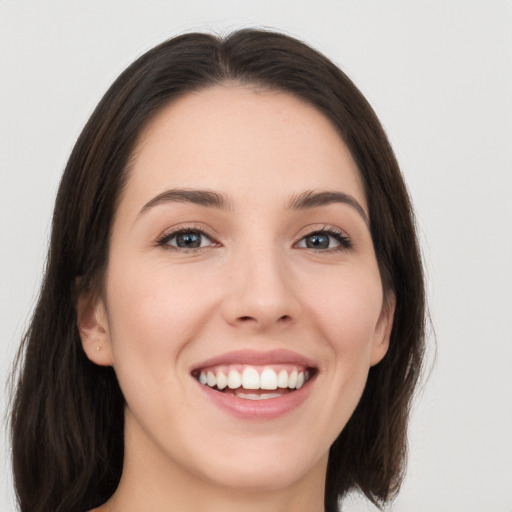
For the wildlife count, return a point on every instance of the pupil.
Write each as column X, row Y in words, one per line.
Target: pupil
column 188, row 240
column 317, row 242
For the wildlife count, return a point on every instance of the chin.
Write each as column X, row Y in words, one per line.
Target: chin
column 263, row 469
column 261, row 479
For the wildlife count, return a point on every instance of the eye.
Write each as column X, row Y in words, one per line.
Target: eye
column 326, row 239
column 186, row 238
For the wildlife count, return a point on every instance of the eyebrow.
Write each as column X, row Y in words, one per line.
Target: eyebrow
column 312, row 199
column 303, row 201
column 206, row 198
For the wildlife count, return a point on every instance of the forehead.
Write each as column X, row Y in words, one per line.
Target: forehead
column 241, row 142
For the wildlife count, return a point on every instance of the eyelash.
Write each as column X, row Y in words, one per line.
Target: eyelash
column 344, row 241
column 163, row 241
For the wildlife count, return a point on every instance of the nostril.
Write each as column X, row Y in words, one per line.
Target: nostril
column 247, row 318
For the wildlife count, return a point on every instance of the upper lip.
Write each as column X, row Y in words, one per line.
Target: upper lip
column 257, row 358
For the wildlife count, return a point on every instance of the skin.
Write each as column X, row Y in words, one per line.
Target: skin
column 254, row 285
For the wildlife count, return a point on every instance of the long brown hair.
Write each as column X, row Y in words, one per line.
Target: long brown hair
column 67, row 413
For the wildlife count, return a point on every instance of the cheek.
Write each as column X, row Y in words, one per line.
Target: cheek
column 347, row 310
column 152, row 316
column 347, row 316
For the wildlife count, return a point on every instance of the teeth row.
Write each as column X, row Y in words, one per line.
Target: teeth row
column 251, row 379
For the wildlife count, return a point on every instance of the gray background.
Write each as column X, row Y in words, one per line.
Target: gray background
column 439, row 75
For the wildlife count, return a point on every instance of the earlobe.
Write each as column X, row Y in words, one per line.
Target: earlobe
column 383, row 331
column 93, row 329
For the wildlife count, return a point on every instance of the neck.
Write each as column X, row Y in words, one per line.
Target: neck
column 153, row 481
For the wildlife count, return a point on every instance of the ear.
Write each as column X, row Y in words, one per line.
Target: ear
column 94, row 329
column 383, row 330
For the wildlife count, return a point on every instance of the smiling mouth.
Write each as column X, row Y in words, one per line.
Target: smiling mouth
column 252, row 382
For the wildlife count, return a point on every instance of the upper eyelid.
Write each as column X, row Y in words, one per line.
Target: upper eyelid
column 323, row 228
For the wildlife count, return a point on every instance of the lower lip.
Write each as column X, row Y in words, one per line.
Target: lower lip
column 271, row 408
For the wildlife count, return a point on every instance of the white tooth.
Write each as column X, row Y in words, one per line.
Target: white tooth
column 292, row 379
column 250, row 378
column 270, row 395
column 211, row 380
column 202, row 378
column 282, row 379
column 255, row 396
column 234, row 379
column 300, row 380
column 268, row 379
column 222, row 380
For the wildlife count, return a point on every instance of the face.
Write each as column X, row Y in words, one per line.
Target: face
column 243, row 305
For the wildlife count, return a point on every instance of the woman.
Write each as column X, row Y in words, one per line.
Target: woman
column 233, row 309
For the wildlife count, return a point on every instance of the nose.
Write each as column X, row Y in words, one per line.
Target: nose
column 260, row 294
